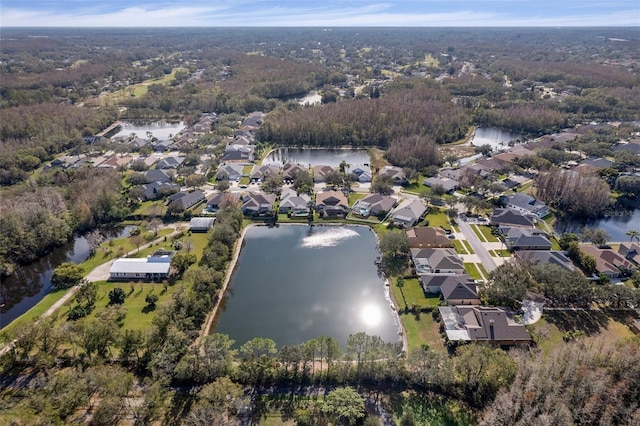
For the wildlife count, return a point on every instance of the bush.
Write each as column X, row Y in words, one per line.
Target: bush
column 77, row 312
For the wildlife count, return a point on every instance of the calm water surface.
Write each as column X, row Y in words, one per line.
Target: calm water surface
column 497, row 138
column 616, row 223
column 328, row 157
column 295, row 283
column 159, row 129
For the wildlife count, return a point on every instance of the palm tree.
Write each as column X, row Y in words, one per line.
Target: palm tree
column 400, row 284
column 633, row 234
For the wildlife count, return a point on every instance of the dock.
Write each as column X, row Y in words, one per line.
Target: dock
column 110, row 128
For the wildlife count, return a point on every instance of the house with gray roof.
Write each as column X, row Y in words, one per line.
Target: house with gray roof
column 256, row 203
column 436, row 261
column 292, row 202
column 432, row 283
column 156, row 267
column 511, row 217
column 373, row 204
column 483, row 324
column 185, row 200
column 409, row 212
column 525, row 203
column 201, row 224
column 170, row 163
column 363, row 172
column 553, row 257
column 517, row 238
column 158, row 175
column 460, row 293
column 238, row 153
column 157, row 189
column 396, row 174
column 448, row 185
column 291, row 169
column 217, row 198
column 230, row 171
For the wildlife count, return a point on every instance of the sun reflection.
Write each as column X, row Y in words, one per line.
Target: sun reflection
column 371, row 315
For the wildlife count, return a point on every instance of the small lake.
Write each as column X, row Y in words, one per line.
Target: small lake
column 295, row 283
column 616, row 223
column 327, row 157
column 497, row 138
column 27, row 286
column 159, row 129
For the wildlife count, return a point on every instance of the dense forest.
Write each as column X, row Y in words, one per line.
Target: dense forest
column 409, row 92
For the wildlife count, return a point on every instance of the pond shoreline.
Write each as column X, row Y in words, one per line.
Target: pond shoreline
column 214, row 313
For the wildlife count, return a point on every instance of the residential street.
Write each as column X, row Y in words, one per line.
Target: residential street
column 477, row 246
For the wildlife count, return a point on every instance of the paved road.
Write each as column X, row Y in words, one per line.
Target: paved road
column 477, row 246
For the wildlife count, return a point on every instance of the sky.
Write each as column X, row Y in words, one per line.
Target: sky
column 318, row 13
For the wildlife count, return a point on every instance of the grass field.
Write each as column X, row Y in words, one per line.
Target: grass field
column 419, row 324
column 438, row 218
column 139, row 89
column 486, row 233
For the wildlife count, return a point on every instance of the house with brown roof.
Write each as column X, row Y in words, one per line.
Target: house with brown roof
column 608, row 262
column 483, row 324
column 255, row 203
column 631, row 252
column 291, row 169
column 428, row 237
column 320, row 172
column 260, row 173
column 332, row 203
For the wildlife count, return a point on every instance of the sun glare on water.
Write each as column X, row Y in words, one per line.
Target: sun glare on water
column 371, row 315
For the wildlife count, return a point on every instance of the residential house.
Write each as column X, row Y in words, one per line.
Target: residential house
column 320, row 172
column 483, row 324
column 460, row 293
column 517, row 238
column 254, row 120
column 185, row 200
column 525, row 203
column 161, row 146
column 170, row 163
column 631, row 252
column 217, row 198
column 230, row 172
column 428, row 237
column 260, row 173
column 158, row 175
column 608, row 262
column 408, row 213
column 432, row 283
column 238, row 153
column 363, row 173
column 436, row 261
column 156, row 267
column 201, row 224
column 255, row 203
column 116, row 162
column 159, row 189
column 396, row 174
column 490, row 164
column 291, row 169
column 553, row 257
column 373, row 204
column 448, row 185
column 511, row 217
column 332, row 203
column 292, row 202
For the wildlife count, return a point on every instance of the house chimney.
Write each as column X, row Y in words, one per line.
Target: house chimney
column 491, row 333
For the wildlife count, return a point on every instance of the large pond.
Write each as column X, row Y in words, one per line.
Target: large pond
column 497, row 138
column 159, row 129
column 23, row 289
column 327, row 157
column 615, row 222
column 295, row 283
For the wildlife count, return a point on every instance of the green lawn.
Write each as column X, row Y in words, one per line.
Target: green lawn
column 500, row 253
column 468, row 247
column 437, row 218
column 483, row 270
column 486, row 233
column 478, row 233
column 420, row 327
column 460, row 248
column 472, row 270
column 32, row 314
